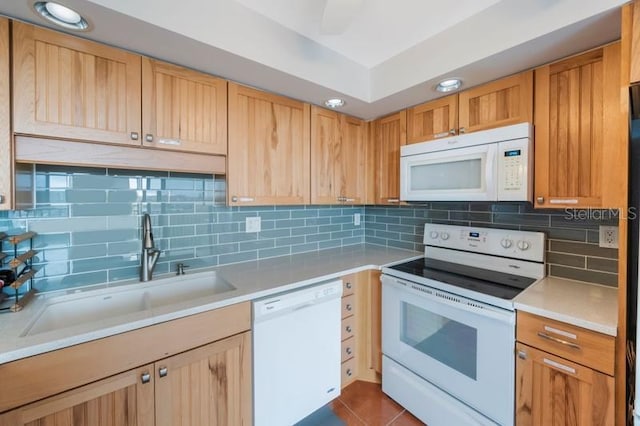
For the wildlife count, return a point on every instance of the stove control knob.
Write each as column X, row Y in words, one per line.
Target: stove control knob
column 444, row 236
column 523, row 245
column 434, row 234
column 506, row 243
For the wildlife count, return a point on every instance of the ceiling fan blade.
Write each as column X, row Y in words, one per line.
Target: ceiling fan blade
column 338, row 14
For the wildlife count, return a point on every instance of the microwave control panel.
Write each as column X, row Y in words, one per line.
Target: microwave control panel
column 515, row 170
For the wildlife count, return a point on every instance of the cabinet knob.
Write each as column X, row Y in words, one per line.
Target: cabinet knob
column 349, row 372
column 452, row 132
column 462, row 130
column 148, row 137
column 2, row 199
column 349, row 307
column 348, row 350
column 348, row 285
column 145, row 378
column 163, row 371
column 540, row 200
column 348, row 329
column 134, row 136
column 522, row 355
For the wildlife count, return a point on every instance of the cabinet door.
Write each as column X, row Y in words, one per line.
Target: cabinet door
column 499, row 103
column 338, row 155
column 6, row 151
column 269, row 148
column 574, row 100
column 635, row 42
column 207, row 386
column 551, row 391
column 183, row 110
column 72, row 88
column 120, row 400
column 433, row 120
column 390, row 133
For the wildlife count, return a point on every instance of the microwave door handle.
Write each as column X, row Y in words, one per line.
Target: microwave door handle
column 491, row 171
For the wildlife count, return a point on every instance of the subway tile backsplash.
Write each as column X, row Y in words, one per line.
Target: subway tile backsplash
column 572, row 235
column 88, row 221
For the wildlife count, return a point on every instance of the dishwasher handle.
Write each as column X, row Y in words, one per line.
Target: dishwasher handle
column 295, row 300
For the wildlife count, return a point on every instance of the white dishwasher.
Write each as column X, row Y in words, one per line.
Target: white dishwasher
column 296, row 353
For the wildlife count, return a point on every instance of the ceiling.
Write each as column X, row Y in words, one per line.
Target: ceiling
column 388, row 56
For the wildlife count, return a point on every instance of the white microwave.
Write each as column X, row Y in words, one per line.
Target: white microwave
column 489, row 165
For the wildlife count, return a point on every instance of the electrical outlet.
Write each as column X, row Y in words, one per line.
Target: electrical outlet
column 356, row 219
column 608, row 236
column 253, row 224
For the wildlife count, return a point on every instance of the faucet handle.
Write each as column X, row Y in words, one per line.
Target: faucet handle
column 180, row 268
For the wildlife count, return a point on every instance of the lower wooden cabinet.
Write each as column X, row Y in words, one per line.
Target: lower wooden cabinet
column 361, row 327
column 208, row 386
column 552, row 391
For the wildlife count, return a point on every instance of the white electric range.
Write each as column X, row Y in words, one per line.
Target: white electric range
column 448, row 323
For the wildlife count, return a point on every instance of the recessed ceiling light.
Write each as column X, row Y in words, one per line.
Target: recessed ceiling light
column 334, row 103
column 61, row 15
column 448, row 85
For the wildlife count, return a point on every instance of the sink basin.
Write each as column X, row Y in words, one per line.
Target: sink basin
column 100, row 305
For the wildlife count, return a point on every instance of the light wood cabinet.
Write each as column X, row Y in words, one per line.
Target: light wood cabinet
column 183, row 109
column 209, row 386
column 554, row 391
column 6, row 149
column 269, row 149
column 495, row 104
column 361, row 327
column 635, row 42
column 433, row 120
column 338, row 158
column 69, row 88
column 389, row 134
column 116, row 401
column 564, row 374
column 579, row 151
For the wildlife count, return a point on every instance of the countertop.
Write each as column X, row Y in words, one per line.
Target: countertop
column 591, row 306
column 252, row 280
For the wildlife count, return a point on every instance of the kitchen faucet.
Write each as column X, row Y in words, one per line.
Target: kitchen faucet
column 149, row 252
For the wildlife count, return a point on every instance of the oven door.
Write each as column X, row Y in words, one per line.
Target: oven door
column 461, row 346
column 463, row 174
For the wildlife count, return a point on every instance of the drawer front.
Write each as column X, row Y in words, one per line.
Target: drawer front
column 348, row 306
column 348, row 371
column 348, row 285
column 348, row 349
column 348, row 327
column 586, row 347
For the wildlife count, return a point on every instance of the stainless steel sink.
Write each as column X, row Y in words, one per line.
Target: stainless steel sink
column 67, row 311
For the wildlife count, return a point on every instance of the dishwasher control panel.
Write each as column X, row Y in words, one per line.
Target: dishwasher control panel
column 297, row 299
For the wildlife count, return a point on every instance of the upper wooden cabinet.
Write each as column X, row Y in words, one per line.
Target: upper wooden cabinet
column 389, row 134
column 269, row 149
column 499, row 103
column 433, row 120
column 6, row 151
column 635, row 41
column 71, row 88
column 338, row 158
column 183, row 109
column 577, row 109
column 75, row 89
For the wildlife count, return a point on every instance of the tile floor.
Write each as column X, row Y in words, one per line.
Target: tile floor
column 363, row 403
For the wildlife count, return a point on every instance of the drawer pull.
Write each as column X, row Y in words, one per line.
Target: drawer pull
column 555, row 339
column 145, row 378
column 349, row 307
column 348, row 350
column 348, row 285
column 559, row 366
column 348, row 329
column 163, row 371
column 560, row 332
column 349, row 372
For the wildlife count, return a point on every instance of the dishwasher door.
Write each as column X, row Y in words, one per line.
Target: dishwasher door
column 296, row 353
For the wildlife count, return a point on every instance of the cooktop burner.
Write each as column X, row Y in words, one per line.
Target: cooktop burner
column 496, row 284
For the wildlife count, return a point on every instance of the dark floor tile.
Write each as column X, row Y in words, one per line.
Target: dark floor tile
column 345, row 414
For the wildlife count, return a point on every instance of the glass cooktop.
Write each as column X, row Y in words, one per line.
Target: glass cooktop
column 496, row 284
